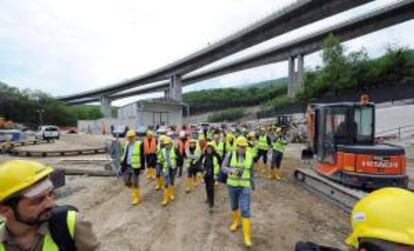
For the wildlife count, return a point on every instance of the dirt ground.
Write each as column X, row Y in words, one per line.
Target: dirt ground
column 282, row 212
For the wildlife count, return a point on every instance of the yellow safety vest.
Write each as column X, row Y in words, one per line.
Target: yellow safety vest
column 279, row 145
column 244, row 180
column 216, row 166
column 136, row 154
column 48, row 243
column 219, row 148
column 230, row 147
column 173, row 159
column 262, row 143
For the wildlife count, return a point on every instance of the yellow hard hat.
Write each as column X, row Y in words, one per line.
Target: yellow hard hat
column 242, row 141
column 16, row 175
column 201, row 137
column 229, row 137
column 131, row 134
column 211, row 144
column 251, row 134
column 150, row 133
column 167, row 140
column 262, row 129
column 193, row 141
column 385, row 214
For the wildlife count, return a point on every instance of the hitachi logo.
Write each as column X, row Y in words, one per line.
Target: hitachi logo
column 378, row 164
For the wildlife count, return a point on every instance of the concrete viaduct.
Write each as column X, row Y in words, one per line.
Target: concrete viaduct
column 297, row 49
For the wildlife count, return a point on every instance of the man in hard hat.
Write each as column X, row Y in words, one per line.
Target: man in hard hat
column 229, row 143
column 263, row 144
column 381, row 221
column 132, row 164
column 239, row 167
column 168, row 157
column 158, row 166
column 182, row 145
column 150, row 152
column 201, row 147
column 191, row 163
column 278, row 147
column 219, row 146
column 32, row 220
column 209, row 164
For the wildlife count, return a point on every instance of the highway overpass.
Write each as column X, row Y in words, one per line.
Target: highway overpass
column 370, row 22
column 294, row 16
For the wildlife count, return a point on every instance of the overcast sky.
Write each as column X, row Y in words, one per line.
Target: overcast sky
column 68, row 46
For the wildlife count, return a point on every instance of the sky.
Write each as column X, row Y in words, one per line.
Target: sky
column 69, row 46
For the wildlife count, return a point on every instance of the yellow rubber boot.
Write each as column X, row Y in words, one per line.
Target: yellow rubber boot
column 188, row 185
column 153, row 173
column 172, row 192
column 278, row 174
column 148, row 173
column 246, row 232
column 195, row 181
column 158, row 183
column 270, row 174
column 166, row 198
column 235, row 220
column 135, row 196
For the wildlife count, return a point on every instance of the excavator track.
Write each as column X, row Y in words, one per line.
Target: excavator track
column 343, row 197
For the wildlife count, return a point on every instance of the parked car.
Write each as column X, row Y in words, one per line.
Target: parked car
column 120, row 131
column 48, row 132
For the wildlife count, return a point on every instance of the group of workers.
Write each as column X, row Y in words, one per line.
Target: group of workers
column 382, row 221
column 214, row 156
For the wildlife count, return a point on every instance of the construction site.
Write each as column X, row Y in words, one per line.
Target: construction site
column 110, row 145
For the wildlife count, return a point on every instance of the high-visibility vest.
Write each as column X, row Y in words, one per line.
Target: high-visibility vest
column 230, row 147
column 244, row 180
column 150, row 146
column 216, row 166
column 200, row 148
column 279, row 145
column 262, row 143
column 219, row 148
column 252, row 148
column 136, row 155
column 48, row 242
column 191, row 157
column 173, row 159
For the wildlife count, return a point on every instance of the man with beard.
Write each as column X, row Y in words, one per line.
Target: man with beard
column 32, row 220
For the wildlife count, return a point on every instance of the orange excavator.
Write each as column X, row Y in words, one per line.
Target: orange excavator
column 343, row 149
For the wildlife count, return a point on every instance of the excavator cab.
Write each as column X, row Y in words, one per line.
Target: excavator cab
column 342, row 141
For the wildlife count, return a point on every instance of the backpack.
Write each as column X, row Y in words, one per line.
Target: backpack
column 59, row 229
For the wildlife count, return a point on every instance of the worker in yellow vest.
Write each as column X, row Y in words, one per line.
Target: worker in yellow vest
column 263, row 145
column 191, row 162
column 219, row 146
column 132, row 164
column 168, row 159
column 158, row 166
column 229, row 142
column 278, row 146
column 239, row 167
column 32, row 220
column 201, row 147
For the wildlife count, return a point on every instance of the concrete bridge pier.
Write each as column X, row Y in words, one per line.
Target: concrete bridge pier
column 296, row 74
column 176, row 88
column 106, row 106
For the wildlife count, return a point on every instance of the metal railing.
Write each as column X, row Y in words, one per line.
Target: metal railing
column 400, row 131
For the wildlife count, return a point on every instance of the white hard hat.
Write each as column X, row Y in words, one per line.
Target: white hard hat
column 182, row 134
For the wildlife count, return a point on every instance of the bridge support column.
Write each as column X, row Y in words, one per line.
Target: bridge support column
column 295, row 77
column 106, row 106
column 176, row 88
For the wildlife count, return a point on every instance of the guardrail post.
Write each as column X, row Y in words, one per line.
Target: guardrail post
column 399, row 132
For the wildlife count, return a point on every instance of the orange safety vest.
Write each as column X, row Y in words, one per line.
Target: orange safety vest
column 150, row 147
column 182, row 147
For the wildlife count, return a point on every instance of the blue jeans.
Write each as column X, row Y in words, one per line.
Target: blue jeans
column 169, row 176
column 240, row 197
column 158, row 170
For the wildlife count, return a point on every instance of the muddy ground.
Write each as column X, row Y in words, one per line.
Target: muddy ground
column 283, row 213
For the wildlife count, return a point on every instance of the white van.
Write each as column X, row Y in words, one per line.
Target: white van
column 48, row 132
